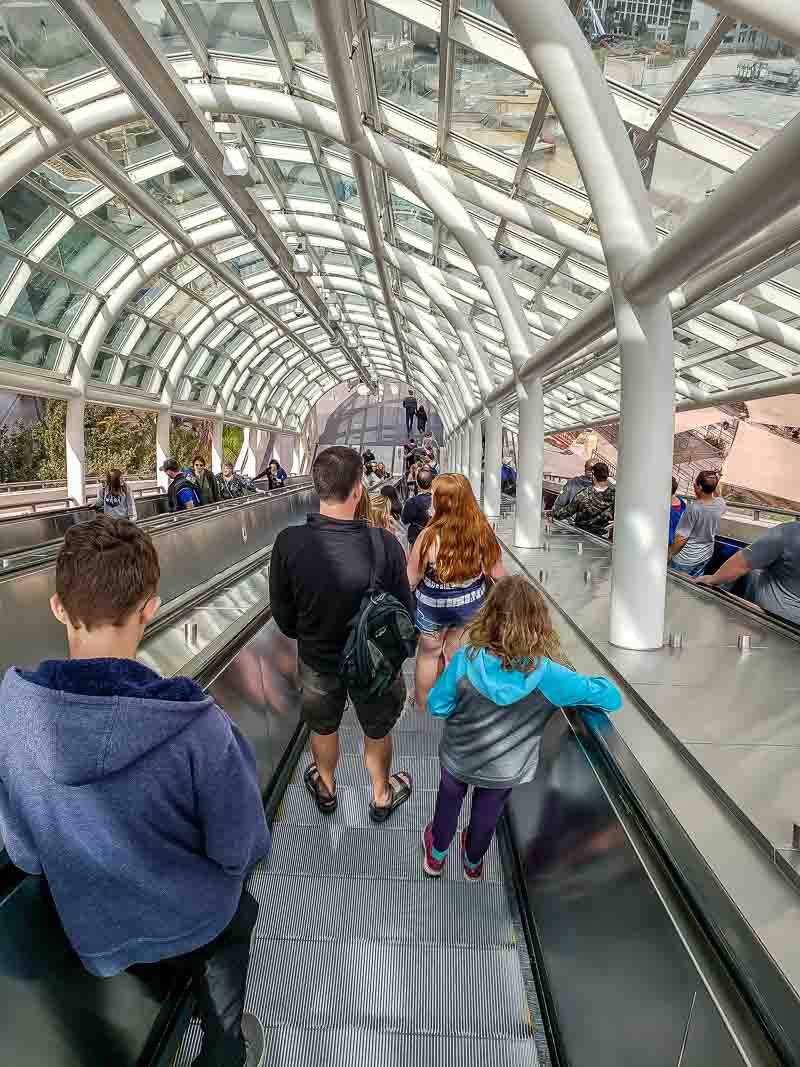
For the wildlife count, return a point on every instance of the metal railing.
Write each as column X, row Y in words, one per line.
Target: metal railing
column 759, row 510
column 62, row 503
column 22, row 487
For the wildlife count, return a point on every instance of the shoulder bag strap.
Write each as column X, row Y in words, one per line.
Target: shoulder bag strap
column 376, row 557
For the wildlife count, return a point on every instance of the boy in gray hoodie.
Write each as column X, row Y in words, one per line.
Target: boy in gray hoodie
column 134, row 795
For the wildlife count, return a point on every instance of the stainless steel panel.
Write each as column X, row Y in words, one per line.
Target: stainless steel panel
column 259, row 692
column 705, row 1032
column 54, row 1012
column 621, row 979
column 191, row 554
column 742, row 770
column 30, row 530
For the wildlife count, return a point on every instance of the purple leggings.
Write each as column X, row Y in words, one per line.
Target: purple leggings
column 487, row 807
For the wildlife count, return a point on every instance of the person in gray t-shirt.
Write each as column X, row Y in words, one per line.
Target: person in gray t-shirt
column 770, row 568
column 693, row 545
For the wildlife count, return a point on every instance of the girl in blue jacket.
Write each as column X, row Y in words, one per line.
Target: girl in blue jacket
column 496, row 697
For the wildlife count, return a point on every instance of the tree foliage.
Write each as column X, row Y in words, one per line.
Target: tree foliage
column 114, row 437
column 232, row 441
column 19, row 455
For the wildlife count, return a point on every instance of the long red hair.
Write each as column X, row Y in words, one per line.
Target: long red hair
column 467, row 544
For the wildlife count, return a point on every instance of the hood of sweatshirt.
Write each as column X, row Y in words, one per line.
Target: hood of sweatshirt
column 88, row 719
column 503, row 687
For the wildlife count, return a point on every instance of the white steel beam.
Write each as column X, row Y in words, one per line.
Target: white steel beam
column 331, row 19
column 556, row 48
column 114, row 30
column 769, row 184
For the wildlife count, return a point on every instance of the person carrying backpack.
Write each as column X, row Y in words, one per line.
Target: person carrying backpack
column 182, row 494
column 340, row 590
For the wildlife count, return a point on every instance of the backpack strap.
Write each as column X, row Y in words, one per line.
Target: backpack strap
column 377, row 556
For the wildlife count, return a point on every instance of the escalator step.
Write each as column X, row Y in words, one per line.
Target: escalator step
column 299, row 809
column 336, row 851
column 389, row 987
column 342, row 1047
column 334, row 909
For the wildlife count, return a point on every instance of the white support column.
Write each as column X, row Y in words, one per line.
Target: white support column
column 646, row 442
column 296, row 458
column 163, row 423
column 246, row 462
column 262, row 441
column 216, row 445
column 463, row 465
column 558, row 51
column 475, row 455
column 494, row 461
column 76, row 450
column 530, row 468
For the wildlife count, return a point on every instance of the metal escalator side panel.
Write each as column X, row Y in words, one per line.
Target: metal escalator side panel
column 625, row 985
column 191, row 554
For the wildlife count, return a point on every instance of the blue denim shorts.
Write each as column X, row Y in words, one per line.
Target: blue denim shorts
column 694, row 570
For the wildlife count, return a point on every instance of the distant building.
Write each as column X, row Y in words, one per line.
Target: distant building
column 648, row 19
column 742, row 37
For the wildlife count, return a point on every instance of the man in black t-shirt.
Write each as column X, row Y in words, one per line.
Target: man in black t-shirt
column 417, row 509
column 319, row 573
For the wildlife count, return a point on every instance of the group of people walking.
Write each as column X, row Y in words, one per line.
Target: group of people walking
column 486, row 649
column 200, row 486
column 414, row 410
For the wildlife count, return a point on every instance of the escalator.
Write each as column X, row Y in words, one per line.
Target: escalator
column 587, row 942
column 358, row 958
column 32, row 538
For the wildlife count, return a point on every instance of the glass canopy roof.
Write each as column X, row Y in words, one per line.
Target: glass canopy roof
column 126, row 271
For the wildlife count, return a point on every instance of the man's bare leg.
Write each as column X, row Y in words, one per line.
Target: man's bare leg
column 378, row 761
column 326, row 755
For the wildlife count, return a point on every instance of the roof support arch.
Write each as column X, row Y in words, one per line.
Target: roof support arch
column 558, row 51
column 170, row 253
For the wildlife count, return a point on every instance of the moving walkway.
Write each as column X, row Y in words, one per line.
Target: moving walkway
column 34, row 539
column 596, row 937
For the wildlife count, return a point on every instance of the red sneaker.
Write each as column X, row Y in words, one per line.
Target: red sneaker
column 431, row 866
column 472, row 873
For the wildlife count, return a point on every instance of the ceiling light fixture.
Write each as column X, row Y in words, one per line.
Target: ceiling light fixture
column 301, row 260
column 236, row 161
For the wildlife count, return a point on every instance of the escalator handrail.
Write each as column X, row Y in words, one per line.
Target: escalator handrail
column 706, row 900
column 153, row 525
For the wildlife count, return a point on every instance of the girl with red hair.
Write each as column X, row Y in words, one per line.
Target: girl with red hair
column 453, row 562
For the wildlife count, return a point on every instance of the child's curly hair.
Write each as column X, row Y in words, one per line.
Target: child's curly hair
column 514, row 625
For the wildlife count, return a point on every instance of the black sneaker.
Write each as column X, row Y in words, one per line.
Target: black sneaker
column 255, row 1040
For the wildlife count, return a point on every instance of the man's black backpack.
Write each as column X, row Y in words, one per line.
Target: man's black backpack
column 381, row 637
